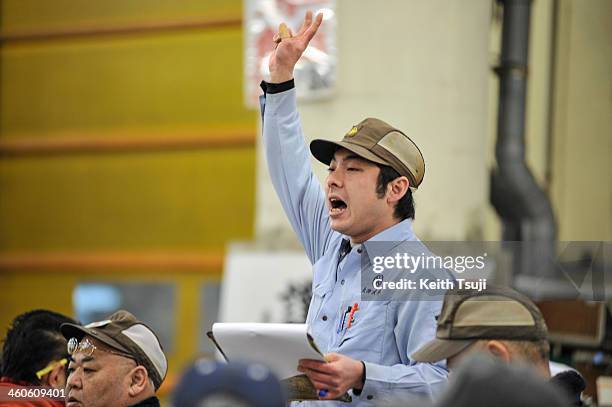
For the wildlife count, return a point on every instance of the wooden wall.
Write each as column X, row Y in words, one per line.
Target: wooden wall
column 125, row 151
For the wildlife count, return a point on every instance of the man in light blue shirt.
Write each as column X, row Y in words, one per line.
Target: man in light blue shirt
column 366, row 198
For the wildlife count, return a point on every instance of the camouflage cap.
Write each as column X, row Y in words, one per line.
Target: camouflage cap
column 470, row 315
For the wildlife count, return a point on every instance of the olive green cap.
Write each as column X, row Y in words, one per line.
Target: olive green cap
column 470, row 315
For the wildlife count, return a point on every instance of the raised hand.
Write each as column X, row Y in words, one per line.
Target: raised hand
column 289, row 48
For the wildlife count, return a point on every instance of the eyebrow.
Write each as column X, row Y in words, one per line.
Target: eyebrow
column 84, row 360
column 350, row 157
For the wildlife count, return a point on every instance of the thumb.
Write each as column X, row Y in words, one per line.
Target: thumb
column 332, row 357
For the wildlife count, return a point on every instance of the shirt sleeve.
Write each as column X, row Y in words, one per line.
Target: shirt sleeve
column 415, row 326
column 290, row 169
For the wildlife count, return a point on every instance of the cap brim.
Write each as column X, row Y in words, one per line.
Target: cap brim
column 323, row 150
column 440, row 349
column 77, row 331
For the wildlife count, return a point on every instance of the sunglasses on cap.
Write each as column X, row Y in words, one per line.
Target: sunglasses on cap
column 87, row 347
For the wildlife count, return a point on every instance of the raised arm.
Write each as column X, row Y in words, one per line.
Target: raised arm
column 287, row 154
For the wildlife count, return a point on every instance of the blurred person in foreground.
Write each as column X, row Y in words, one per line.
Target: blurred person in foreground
column 366, row 197
column 210, row 383
column 116, row 362
column 34, row 354
column 482, row 380
column 499, row 322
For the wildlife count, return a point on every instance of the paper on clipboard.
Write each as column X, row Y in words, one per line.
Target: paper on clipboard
column 279, row 346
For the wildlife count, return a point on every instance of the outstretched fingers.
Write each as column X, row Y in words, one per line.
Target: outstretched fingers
column 313, row 27
column 306, row 23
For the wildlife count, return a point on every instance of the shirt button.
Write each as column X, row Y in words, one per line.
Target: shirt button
column 370, row 397
column 342, row 282
column 324, row 318
column 359, row 250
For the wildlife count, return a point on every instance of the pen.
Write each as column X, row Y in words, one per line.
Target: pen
column 341, row 324
column 354, row 308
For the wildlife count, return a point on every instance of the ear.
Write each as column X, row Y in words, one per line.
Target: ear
column 499, row 350
column 396, row 189
column 56, row 378
column 139, row 379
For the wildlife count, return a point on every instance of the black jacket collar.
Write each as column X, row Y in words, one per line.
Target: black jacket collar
column 150, row 402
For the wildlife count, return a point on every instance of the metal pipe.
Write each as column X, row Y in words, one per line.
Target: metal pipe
column 523, row 206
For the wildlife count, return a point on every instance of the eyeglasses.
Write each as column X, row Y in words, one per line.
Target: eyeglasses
column 50, row 367
column 87, row 347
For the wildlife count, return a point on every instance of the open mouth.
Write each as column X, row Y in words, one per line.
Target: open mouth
column 337, row 206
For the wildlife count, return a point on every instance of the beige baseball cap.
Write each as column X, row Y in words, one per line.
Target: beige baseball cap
column 377, row 141
column 470, row 315
column 123, row 332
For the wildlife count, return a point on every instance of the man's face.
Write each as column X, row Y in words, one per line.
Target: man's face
column 454, row 361
column 354, row 207
column 477, row 347
column 101, row 379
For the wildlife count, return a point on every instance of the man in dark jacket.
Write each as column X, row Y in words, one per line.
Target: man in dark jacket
column 116, row 362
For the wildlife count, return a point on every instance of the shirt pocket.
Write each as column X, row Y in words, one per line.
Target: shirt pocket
column 365, row 337
column 319, row 292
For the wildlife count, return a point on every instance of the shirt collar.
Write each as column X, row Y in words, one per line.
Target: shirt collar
column 397, row 233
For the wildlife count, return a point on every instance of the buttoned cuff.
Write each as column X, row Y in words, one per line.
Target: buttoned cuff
column 369, row 389
column 357, row 392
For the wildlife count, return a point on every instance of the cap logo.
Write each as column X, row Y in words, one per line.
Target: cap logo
column 98, row 324
column 352, row 131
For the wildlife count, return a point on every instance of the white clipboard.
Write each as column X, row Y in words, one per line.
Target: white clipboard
column 278, row 346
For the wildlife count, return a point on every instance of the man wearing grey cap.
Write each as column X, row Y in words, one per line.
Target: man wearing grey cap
column 115, row 362
column 366, row 197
